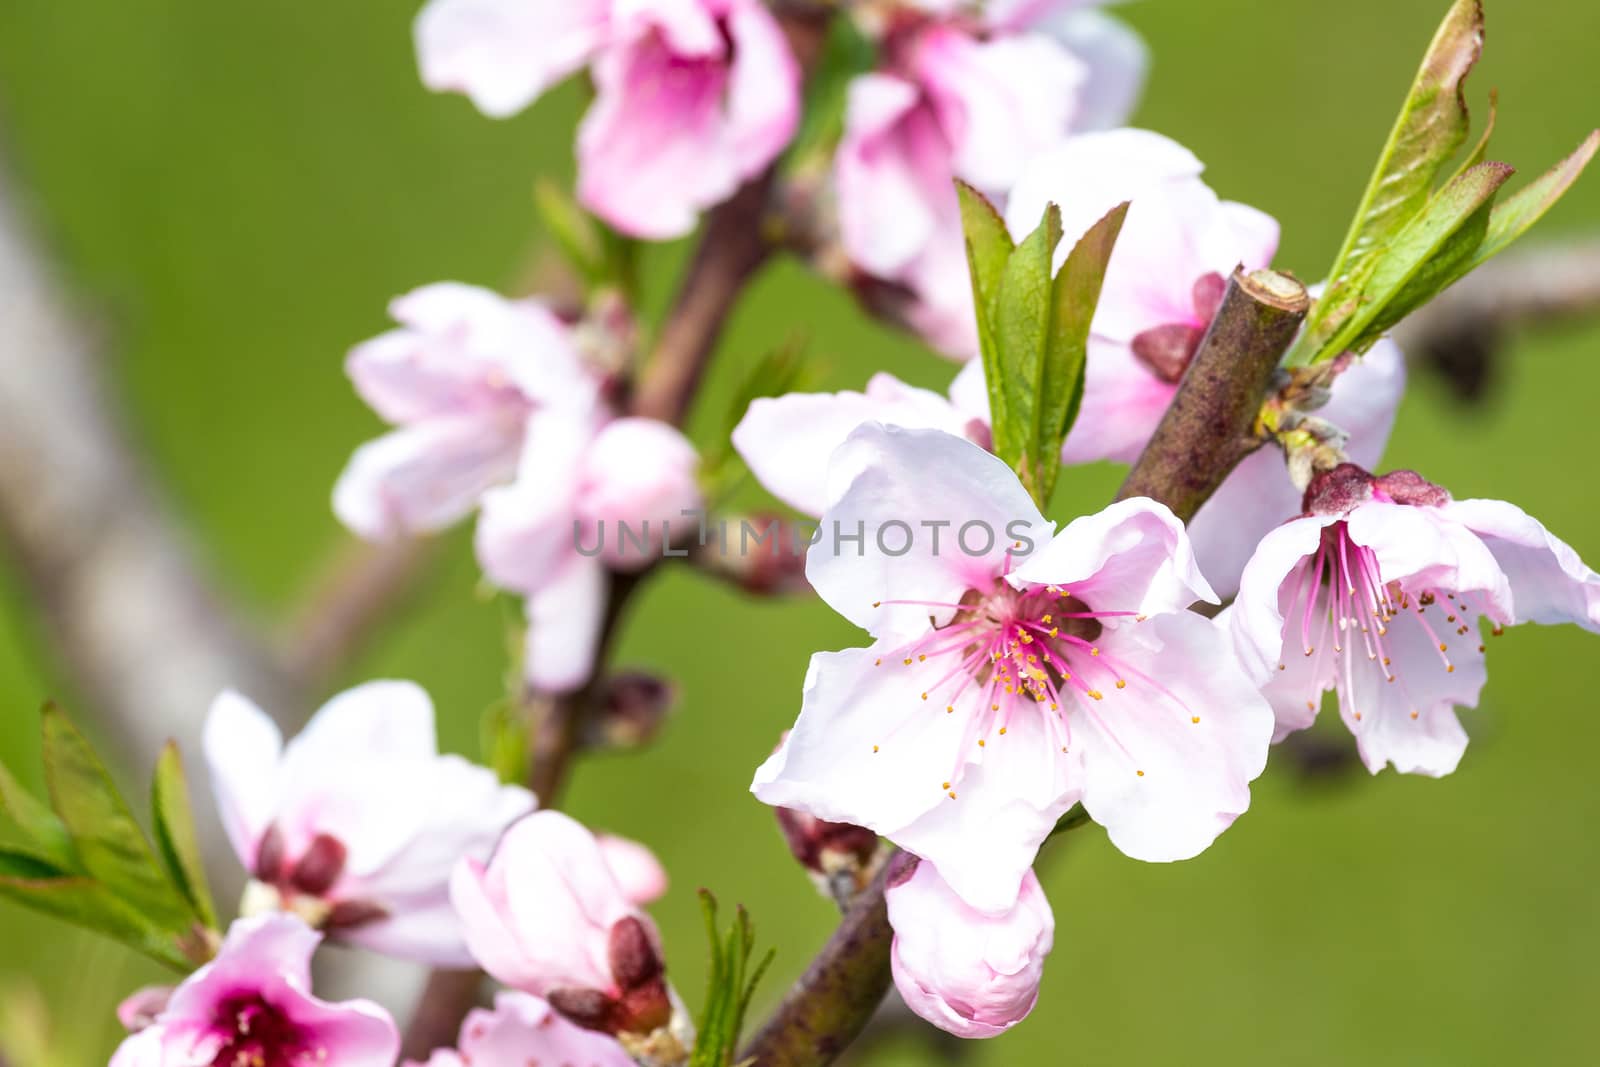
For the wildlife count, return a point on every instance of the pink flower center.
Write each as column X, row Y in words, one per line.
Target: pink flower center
column 1009, row 652
column 1343, row 594
column 254, row 1033
column 1167, row 350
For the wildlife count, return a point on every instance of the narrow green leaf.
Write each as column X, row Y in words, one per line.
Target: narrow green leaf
column 1430, row 129
column 1403, row 274
column 173, row 817
column 37, row 822
column 1023, row 315
column 37, row 884
column 1513, row 216
column 105, row 836
column 989, row 247
column 1074, row 295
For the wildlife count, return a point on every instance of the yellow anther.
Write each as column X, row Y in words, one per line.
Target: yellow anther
column 922, row 658
column 1095, row 694
column 980, row 742
column 908, row 661
column 1121, row 684
column 1139, row 773
column 874, row 748
column 1195, row 719
column 1002, row 731
column 924, row 696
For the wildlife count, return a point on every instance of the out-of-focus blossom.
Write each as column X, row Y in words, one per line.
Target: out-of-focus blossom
column 546, row 915
column 968, row 97
column 355, row 824
column 971, row 974
column 253, row 1005
column 592, row 493
column 1165, row 279
column 1382, row 592
column 521, row 1031
column 459, row 379
column 638, row 873
column 692, row 97
column 1013, row 673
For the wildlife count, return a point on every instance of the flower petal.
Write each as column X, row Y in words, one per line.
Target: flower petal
column 1163, row 784
column 1267, row 590
column 894, row 486
column 564, row 621
column 1549, row 583
column 893, row 175
column 528, row 529
column 242, row 748
column 1122, row 405
column 1132, row 556
column 504, row 53
column 1118, row 62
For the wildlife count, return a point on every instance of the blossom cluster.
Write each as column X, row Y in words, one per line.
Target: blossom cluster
column 998, row 689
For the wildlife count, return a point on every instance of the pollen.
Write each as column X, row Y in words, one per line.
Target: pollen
column 1094, row 652
column 877, row 603
column 1139, row 773
column 1095, row 694
column 878, row 662
column 1002, row 731
column 981, row 742
column 952, row 794
column 949, row 709
column 908, row 661
column 1196, row 719
column 1044, row 618
column 1122, row 683
column 924, row 696
column 874, row 748
column 1483, row 648
column 1443, row 647
column 994, row 707
column 1414, row 714
column 945, row 786
column 922, row 658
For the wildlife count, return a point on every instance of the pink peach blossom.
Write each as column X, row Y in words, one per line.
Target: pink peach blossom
column 1013, row 675
column 1165, row 279
column 253, row 1004
column 692, row 97
column 1382, row 592
column 354, row 825
column 459, row 380
column 522, row 1030
column 971, row 974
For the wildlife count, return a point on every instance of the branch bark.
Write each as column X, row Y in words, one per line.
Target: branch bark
column 838, row 994
column 1207, row 429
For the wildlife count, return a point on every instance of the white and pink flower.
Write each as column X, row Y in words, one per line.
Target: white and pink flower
column 1382, row 592
column 459, row 379
column 594, row 494
column 546, row 915
column 968, row 973
column 522, row 1030
column 692, row 97
column 252, row 1004
column 355, row 824
column 1013, row 674
column 1165, row 279
column 968, row 97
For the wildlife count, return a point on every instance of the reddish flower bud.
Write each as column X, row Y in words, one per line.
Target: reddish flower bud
column 634, row 960
column 268, row 865
column 1409, row 487
column 644, row 1008
column 588, row 1008
column 319, row 866
column 1337, row 491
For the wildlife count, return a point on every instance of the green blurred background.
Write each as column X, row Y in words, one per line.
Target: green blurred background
column 237, row 189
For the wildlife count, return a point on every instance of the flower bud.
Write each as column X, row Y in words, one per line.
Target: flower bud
column 970, row 974
column 839, row 856
column 631, row 706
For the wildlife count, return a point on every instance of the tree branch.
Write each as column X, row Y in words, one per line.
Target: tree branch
column 836, row 997
column 1207, row 429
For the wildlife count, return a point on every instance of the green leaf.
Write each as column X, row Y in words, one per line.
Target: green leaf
column 1418, row 263
column 1075, row 293
column 600, row 255
column 989, row 247
column 1513, row 216
column 780, row 370
column 35, row 883
column 173, row 817
column 108, row 841
column 1022, row 320
column 37, row 822
column 504, row 738
column 1431, row 128
column 730, row 985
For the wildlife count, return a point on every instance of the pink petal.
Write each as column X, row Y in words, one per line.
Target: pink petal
column 1267, row 589
column 967, row 973
column 426, row 477
column 639, row 874
column 893, row 175
column 1131, row 556
column 523, row 1030
column 1549, row 583
column 642, row 473
column 526, row 533
column 1118, row 63
column 504, row 53
column 763, row 88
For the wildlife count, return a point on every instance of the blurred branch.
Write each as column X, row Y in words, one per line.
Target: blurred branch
column 1207, row 429
column 134, row 617
column 1461, row 334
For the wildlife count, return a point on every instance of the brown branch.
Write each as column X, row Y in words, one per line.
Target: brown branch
column 1208, row 428
column 838, row 994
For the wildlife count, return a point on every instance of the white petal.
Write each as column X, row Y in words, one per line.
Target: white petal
column 564, row 620
column 892, row 486
column 1267, row 589
column 1118, row 62
column 1132, row 556
column 1196, row 775
column 242, row 747
column 504, row 53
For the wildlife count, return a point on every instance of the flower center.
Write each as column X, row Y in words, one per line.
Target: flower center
column 1167, row 350
column 1007, row 652
column 1343, row 593
column 254, row 1033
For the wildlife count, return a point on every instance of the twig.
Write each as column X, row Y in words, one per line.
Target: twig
column 1207, row 429
column 836, row 997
